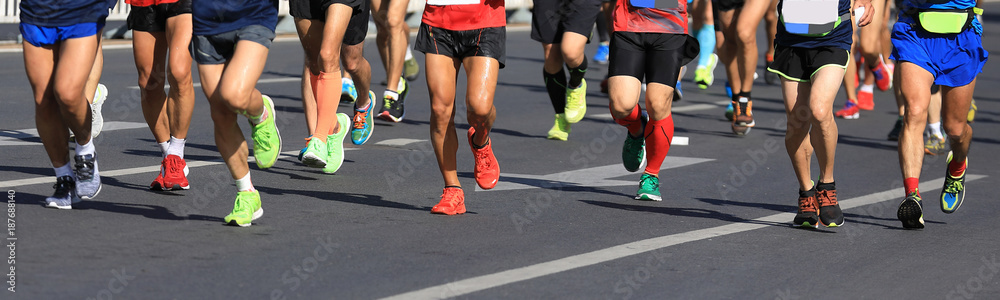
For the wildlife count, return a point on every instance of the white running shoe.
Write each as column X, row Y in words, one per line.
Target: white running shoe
column 99, row 97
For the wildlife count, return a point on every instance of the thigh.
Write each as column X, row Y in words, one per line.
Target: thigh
column 149, row 50
column 74, row 60
column 39, row 64
column 442, row 72
column 244, row 68
column 481, row 76
column 179, row 32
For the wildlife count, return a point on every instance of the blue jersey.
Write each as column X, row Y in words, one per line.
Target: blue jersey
column 939, row 4
column 58, row 13
column 840, row 37
column 218, row 16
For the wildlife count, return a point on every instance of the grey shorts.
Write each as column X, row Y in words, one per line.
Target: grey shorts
column 218, row 48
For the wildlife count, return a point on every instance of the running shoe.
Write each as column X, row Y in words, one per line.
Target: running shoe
column 65, row 194
column 348, row 92
column 729, row 112
column 849, row 112
column 316, row 153
column 171, row 175
column 830, row 214
column 808, row 213
column 364, row 123
column 743, row 116
column 303, row 151
column 392, row 109
column 770, row 78
column 729, row 90
column 678, row 92
column 576, row 102
column 560, row 130
column 88, row 177
column 935, row 145
column 452, row 202
column 883, row 77
column 896, row 128
column 910, row 212
column 634, row 149
column 601, row 57
column 704, row 76
column 245, row 210
column 266, row 138
column 411, row 69
column 98, row 118
column 487, row 169
column 649, row 188
column 335, row 145
column 972, row 111
column 866, row 99
column 954, row 190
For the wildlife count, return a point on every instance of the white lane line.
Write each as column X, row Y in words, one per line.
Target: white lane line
column 479, row 283
column 399, row 142
column 259, row 81
column 14, row 137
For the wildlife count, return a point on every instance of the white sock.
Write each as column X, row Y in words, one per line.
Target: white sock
column 86, row 148
column 868, row 88
column 409, row 52
column 393, row 95
column 65, row 170
column 400, row 85
column 176, row 147
column 935, row 129
column 163, row 148
column 244, row 184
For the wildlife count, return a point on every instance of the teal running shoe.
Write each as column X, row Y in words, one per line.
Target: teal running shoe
column 316, row 153
column 245, row 210
column 335, row 145
column 954, row 190
column 649, row 188
column 364, row 122
column 266, row 138
column 729, row 112
column 910, row 212
column 634, row 150
column 348, row 93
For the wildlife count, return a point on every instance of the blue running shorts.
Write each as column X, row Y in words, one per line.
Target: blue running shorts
column 953, row 59
column 39, row 36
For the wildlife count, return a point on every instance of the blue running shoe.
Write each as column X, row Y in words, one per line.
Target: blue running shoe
column 954, row 190
column 678, row 92
column 729, row 90
column 601, row 57
column 348, row 92
column 364, row 122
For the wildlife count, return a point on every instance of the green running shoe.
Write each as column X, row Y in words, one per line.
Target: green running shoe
column 335, row 145
column 560, row 130
column 364, row 122
column 649, row 188
column 954, row 190
column 245, row 210
column 411, row 69
column 576, row 103
column 910, row 212
column 316, row 153
column 266, row 138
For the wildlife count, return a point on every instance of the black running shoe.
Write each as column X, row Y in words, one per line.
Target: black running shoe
column 807, row 215
column 829, row 209
column 392, row 109
column 910, row 212
column 894, row 134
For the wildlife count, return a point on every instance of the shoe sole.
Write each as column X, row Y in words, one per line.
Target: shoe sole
column 313, row 161
column 648, row 197
column 99, row 187
column 172, row 187
column 451, row 213
column 256, row 215
column 57, row 206
column 910, row 214
column 388, row 117
column 805, row 225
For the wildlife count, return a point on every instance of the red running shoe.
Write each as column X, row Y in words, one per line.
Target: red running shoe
column 487, row 169
column 883, row 79
column 865, row 99
column 171, row 175
column 452, row 202
column 850, row 111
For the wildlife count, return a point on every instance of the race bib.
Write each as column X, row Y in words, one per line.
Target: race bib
column 657, row 4
column 452, row 2
column 810, row 17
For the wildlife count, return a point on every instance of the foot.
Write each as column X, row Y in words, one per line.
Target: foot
column 98, row 120
column 866, row 99
column 392, row 109
column 171, row 175
column 649, row 188
column 953, row 192
column 850, row 111
column 560, row 130
column 729, row 90
column 830, row 214
column 266, row 138
column 742, row 116
column 601, row 57
column 316, row 153
column 808, row 213
column 972, row 112
column 452, row 202
column 65, row 194
column 411, row 69
column 896, row 128
column 335, row 146
column 364, row 122
column 729, row 112
column 245, row 210
column 678, row 92
column 883, row 77
column 704, row 76
column 576, row 102
column 88, row 178
column 634, row 149
column 935, row 145
column 348, row 92
column 487, row 169
column 910, row 212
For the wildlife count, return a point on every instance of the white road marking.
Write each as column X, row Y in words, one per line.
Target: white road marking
column 259, row 81
column 399, row 142
column 589, row 177
column 14, row 137
column 479, row 283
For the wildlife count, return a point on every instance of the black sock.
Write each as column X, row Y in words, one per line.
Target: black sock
column 576, row 74
column 555, row 84
column 452, row 187
column 745, row 94
column 826, row 186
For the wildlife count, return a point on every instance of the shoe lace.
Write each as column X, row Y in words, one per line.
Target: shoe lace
column 359, row 119
column 482, row 159
column 260, row 138
column 388, row 102
column 633, row 145
column 84, row 167
column 807, row 204
column 173, row 166
column 649, row 182
column 63, row 186
column 826, row 197
column 953, row 186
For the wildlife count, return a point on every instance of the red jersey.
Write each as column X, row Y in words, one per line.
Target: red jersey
column 629, row 18
column 144, row 3
column 461, row 17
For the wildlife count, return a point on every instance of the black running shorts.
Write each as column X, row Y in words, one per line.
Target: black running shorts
column 357, row 27
column 800, row 64
column 153, row 18
column 657, row 57
column 551, row 18
column 727, row 5
column 487, row 42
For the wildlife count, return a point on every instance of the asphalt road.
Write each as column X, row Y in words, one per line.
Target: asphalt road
column 561, row 224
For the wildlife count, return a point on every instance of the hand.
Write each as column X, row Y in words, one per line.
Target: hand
column 868, row 14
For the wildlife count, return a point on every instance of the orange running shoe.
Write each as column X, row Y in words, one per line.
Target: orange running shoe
column 487, row 169
column 452, row 202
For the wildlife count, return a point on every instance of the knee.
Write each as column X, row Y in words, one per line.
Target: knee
column 395, row 20
column 747, row 36
column 822, row 114
column 330, row 60
column 352, row 63
column 233, row 98
column 381, row 18
column 67, row 94
column 180, row 76
column 955, row 130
